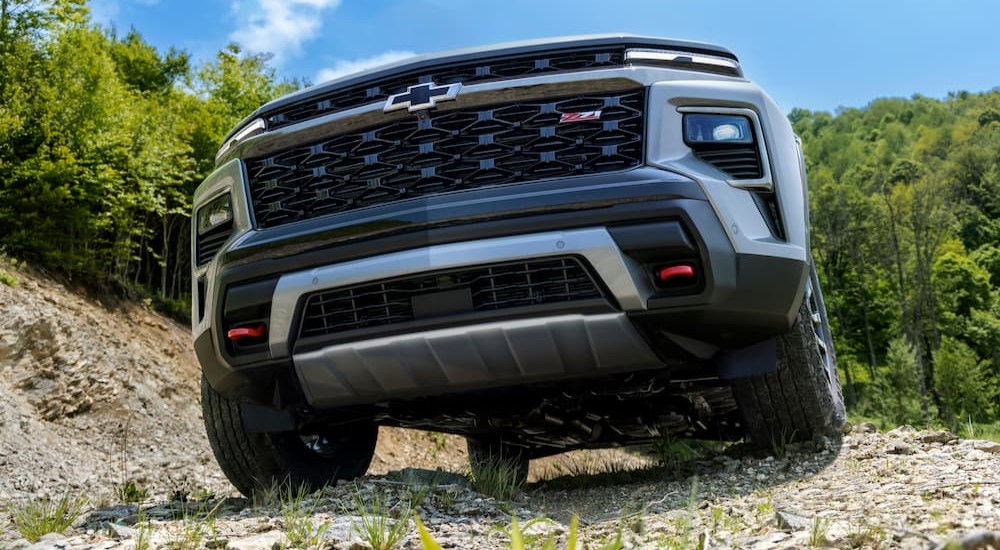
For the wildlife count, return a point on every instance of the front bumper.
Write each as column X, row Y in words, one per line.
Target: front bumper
column 611, row 221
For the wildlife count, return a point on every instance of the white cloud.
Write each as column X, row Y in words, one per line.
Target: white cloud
column 279, row 27
column 343, row 67
column 104, row 12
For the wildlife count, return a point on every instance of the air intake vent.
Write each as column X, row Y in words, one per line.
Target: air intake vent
column 210, row 242
column 740, row 161
column 202, row 295
column 495, row 287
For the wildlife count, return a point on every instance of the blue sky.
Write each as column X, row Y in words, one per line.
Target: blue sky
column 817, row 54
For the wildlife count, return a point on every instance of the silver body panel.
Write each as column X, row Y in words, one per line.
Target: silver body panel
column 732, row 203
column 226, row 178
column 596, row 245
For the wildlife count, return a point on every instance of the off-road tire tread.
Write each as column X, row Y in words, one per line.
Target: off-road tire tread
column 796, row 402
column 252, row 461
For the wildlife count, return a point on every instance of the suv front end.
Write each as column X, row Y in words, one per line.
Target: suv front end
column 541, row 246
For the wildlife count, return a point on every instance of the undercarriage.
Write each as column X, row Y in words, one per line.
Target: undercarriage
column 631, row 409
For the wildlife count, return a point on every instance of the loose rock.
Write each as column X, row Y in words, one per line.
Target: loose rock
column 938, row 436
column 866, row 428
column 987, row 446
column 899, row 448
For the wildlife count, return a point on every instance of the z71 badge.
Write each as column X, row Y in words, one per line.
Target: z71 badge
column 580, row 117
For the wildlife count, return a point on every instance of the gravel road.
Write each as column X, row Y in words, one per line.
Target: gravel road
column 96, row 395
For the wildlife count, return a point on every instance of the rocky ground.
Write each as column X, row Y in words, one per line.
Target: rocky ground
column 97, row 395
column 901, row 489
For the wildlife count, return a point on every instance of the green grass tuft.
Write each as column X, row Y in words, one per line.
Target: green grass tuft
column 6, row 262
column 866, row 536
column 818, row 531
column 498, row 478
column 130, row 492
column 376, row 524
column 517, row 539
column 427, row 541
column 280, row 493
column 35, row 518
column 299, row 526
column 196, row 526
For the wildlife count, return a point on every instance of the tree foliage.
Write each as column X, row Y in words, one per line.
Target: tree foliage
column 967, row 390
column 103, row 139
column 898, row 384
column 905, row 197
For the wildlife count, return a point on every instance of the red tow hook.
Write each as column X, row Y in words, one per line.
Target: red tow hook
column 671, row 273
column 237, row 334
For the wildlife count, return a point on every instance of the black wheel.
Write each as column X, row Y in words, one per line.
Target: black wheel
column 801, row 400
column 485, row 452
column 254, row 460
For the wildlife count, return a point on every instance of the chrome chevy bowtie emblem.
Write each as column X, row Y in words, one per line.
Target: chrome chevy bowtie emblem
column 421, row 96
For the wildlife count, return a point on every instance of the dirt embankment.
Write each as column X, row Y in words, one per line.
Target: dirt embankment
column 97, row 395
column 94, row 396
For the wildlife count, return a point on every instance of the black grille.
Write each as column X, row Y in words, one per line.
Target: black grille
column 448, row 151
column 468, row 73
column 210, row 242
column 738, row 161
column 493, row 287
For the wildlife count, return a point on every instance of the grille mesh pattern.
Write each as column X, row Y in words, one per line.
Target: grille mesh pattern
column 448, row 151
column 492, row 288
column 468, row 73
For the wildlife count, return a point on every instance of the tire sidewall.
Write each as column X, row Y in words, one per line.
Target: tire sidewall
column 839, row 411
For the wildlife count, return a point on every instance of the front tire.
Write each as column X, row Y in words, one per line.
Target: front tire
column 801, row 400
column 254, row 461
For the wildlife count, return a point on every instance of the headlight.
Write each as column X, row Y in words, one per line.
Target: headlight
column 730, row 140
column 215, row 214
column 214, row 224
column 255, row 127
column 706, row 128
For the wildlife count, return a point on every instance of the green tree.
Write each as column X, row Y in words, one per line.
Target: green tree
column 967, row 391
column 143, row 68
column 962, row 286
column 234, row 85
column 899, row 384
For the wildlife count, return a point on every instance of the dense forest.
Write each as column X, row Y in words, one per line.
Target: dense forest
column 103, row 138
column 905, row 202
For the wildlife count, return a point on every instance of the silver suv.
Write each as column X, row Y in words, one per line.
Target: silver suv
column 541, row 246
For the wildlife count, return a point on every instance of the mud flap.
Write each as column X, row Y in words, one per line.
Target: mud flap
column 759, row 358
column 260, row 419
